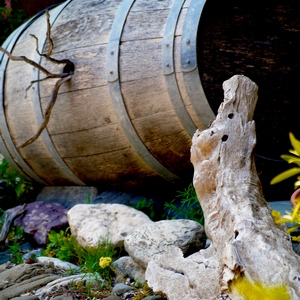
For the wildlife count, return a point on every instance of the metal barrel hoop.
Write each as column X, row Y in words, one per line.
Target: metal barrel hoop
column 189, row 64
column 169, row 71
column 112, row 67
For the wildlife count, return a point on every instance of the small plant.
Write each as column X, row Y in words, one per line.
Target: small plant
column 146, row 206
column 294, row 157
column 257, row 291
column 92, row 286
column 16, row 253
column 16, row 189
column 64, row 246
column 10, row 19
column 88, row 201
column 290, row 217
column 14, row 238
column 189, row 207
column 144, row 291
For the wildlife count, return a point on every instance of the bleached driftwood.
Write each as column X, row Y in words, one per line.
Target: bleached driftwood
column 245, row 239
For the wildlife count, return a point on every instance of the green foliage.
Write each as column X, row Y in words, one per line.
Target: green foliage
column 93, row 287
column 16, row 254
column 188, row 206
column 15, row 238
column 17, row 189
column 10, row 19
column 88, row 201
column 294, row 158
column 64, row 246
column 146, row 206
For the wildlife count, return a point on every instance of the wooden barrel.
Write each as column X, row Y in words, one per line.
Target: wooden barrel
column 147, row 74
column 135, row 100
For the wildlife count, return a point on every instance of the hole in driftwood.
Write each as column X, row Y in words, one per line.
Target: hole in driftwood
column 230, row 116
column 224, row 138
column 236, row 233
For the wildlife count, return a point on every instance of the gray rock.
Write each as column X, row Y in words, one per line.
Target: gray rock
column 91, row 223
column 20, row 279
column 154, row 297
column 57, row 263
column 39, row 218
column 68, row 196
column 112, row 297
column 30, row 297
column 157, row 237
column 126, row 266
column 121, row 288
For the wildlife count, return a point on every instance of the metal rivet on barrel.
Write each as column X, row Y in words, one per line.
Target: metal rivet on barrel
column 188, row 42
column 167, row 65
column 111, row 72
column 188, row 62
column 112, row 53
column 167, row 45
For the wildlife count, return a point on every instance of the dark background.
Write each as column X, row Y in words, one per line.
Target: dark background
column 259, row 39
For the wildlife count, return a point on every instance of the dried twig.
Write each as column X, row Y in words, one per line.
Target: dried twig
column 47, row 112
column 66, row 75
column 49, row 34
column 33, row 63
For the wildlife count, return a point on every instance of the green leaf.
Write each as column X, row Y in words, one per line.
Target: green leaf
column 295, row 143
column 284, row 175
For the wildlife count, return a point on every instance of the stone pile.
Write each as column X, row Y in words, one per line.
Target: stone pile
column 125, row 227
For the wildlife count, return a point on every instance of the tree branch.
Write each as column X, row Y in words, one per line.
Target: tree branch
column 66, row 75
column 47, row 112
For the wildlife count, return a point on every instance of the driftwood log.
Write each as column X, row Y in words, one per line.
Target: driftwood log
column 246, row 242
column 9, row 217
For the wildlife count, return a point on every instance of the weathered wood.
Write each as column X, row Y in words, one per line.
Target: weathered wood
column 9, row 217
column 245, row 241
column 84, row 122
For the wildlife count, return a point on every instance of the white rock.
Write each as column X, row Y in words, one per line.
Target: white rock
column 57, row 263
column 156, row 237
column 183, row 278
column 91, row 223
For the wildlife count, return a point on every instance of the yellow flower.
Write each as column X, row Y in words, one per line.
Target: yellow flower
column 258, row 291
column 104, row 262
column 276, row 216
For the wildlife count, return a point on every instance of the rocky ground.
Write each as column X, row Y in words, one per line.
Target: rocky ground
column 45, row 278
column 129, row 229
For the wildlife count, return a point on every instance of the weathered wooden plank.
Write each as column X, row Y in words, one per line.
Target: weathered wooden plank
column 18, row 108
column 140, row 26
column 78, row 27
column 144, row 97
column 33, row 151
column 89, row 69
column 174, row 146
column 81, row 110
column 140, row 59
column 91, row 141
column 48, row 170
column 146, row 5
column 111, row 168
column 158, row 125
